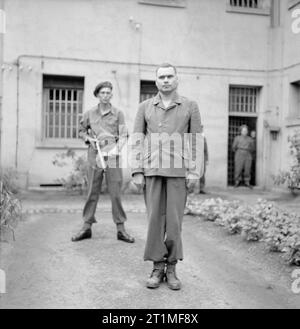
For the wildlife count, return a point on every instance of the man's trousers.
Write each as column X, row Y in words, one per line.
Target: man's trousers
column 242, row 161
column 165, row 199
column 114, row 184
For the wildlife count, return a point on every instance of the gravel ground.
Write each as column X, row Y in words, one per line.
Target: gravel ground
column 46, row 270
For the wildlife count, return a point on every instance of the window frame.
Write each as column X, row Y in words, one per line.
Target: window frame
column 294, row 104
column 63, row 142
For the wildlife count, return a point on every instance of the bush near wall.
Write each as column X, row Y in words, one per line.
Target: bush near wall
column 262, row 222
column 77, row 180
column 10, row 206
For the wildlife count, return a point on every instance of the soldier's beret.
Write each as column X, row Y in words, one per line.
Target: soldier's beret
column 105, row 84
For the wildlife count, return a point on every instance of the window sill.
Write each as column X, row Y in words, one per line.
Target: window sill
column 292, row 122
column 251, row 11
column 61, row 144
column 164, row 3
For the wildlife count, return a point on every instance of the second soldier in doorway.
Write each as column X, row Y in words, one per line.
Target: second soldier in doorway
column 243, row 146
column 105, row 123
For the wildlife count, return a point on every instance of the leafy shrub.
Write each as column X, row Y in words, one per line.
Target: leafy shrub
column 77, row 180
column 279, row 229
column 10, row 206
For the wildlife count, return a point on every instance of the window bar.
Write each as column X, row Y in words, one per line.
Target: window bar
column 59, row 115
column 71, row 121
column 79, row 114
column 53, row 112
column 46, row 107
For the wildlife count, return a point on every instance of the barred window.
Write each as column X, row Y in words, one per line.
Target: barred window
column 259, row 7
column 63, row 98
column 243, row 99
column 245, row 3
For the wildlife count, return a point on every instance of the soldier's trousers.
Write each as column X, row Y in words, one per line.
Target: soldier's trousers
column 242, row 162
column 114, row 184
column 165, row 199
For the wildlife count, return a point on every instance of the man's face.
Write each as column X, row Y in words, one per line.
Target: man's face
column 253, row 134
column 105, row 95
column 244, row 131
column 166, row 80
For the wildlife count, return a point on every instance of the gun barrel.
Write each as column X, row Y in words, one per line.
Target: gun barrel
column 103, row 163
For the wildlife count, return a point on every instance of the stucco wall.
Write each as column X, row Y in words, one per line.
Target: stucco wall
column 212, row 47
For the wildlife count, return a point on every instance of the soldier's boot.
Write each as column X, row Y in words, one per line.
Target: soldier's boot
column 123, row 235
column 157, row 275
column 84, row 233
column 248, row 185
column 172, row 279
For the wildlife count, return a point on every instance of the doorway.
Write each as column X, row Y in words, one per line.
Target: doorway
column 234, row 124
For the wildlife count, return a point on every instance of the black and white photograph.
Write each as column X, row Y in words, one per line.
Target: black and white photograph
column 149, row 157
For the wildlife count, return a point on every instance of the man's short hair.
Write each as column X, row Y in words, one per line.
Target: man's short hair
column 105, row 84
column 164, row 65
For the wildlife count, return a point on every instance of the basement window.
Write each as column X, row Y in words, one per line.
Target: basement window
column 259, row 7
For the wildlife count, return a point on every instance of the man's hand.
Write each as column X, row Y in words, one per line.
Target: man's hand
column 191, row 184
column 91, row 141
column 139, row 181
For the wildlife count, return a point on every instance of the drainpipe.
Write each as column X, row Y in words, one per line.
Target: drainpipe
column 17, row 113
column 2, row 31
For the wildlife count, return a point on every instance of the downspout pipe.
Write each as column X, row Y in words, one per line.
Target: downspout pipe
column 2, row 31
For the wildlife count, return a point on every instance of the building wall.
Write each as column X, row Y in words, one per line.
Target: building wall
column 213, row 48
column 284, row 66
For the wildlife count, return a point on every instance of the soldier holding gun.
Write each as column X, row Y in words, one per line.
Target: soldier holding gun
column 103, row 129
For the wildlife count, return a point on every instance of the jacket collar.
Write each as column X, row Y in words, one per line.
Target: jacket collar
column 177, row 99
column 108, row 109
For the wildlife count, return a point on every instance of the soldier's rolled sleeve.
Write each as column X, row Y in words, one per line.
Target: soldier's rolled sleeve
column 137, row 141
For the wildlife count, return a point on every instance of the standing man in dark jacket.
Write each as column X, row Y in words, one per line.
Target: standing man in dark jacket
column 167, row 144
column 106, row 124
column 243, row 147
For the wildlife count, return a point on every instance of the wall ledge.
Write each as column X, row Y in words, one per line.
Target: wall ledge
column 292, row 122
column 61, row 144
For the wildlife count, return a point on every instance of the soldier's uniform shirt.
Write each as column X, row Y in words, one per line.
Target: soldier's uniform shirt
column 244, row 143
column 108, row 124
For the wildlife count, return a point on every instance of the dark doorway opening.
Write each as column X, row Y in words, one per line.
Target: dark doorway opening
column 147, row 89
column 234, row 124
